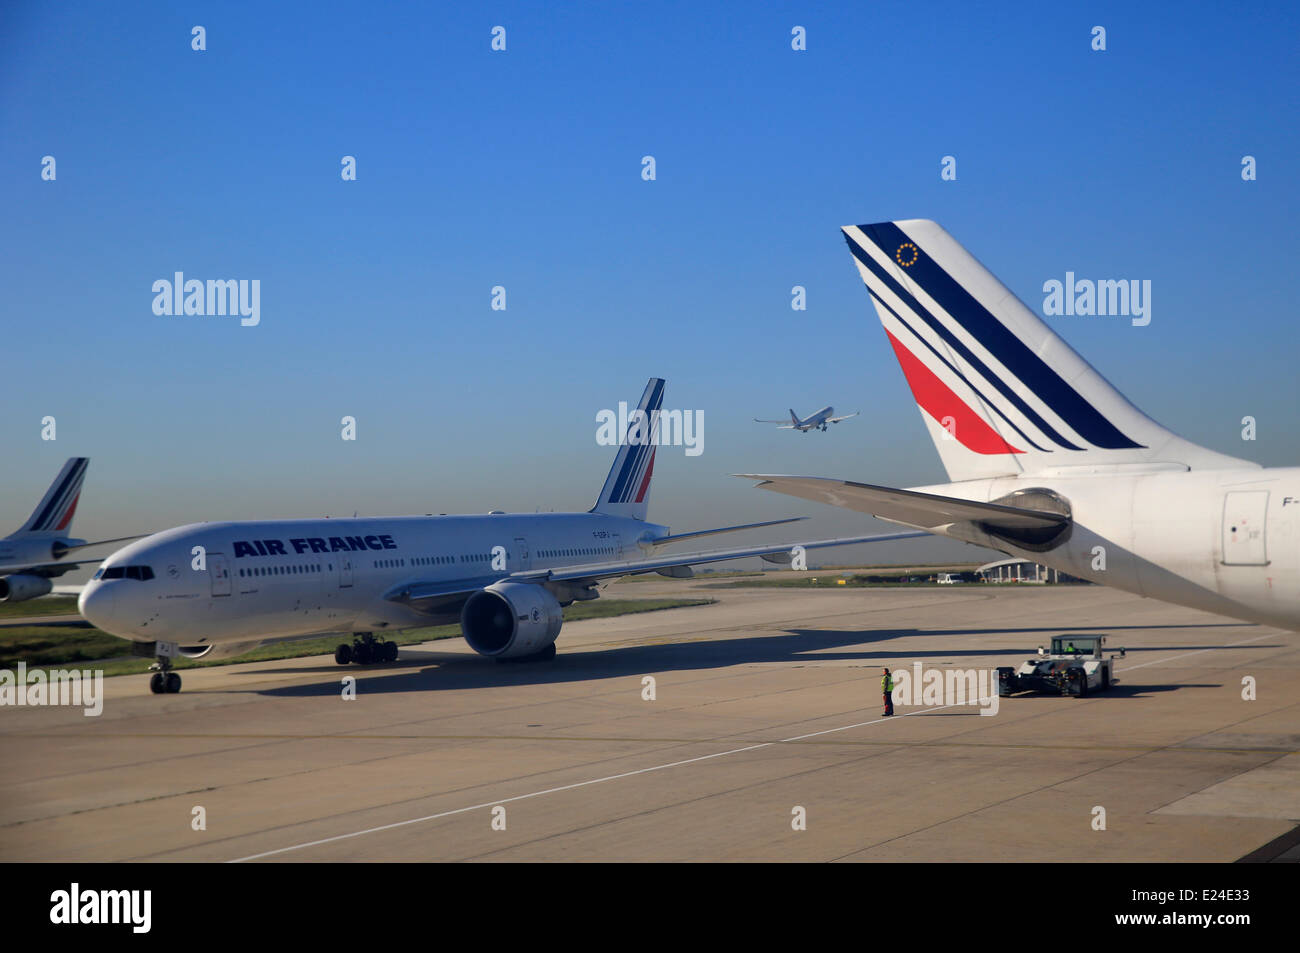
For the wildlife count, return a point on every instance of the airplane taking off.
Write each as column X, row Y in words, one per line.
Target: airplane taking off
column 33, row 556
column 1047, row 461
column 505, row 577
column 817, row 421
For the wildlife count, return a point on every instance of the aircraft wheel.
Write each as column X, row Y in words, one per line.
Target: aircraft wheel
column 157, row 684
column 343, row 654
column 390, row 651
column 361, row 654
column 173, row 683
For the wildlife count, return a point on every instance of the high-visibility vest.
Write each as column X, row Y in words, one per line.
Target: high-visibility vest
column 887, row 684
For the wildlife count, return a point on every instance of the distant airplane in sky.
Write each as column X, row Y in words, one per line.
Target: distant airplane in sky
column 32, row 556
column 1047, row 461
column 817, row 421
column 504, row 577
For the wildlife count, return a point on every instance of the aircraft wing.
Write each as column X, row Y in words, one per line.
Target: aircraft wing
column 926, row 510
column 678, row 537
column 835, row 420
column 430, row 596
column 446, row 595
column 51, row 564
column 100, row 542
column 631, row 567
column 785, row 424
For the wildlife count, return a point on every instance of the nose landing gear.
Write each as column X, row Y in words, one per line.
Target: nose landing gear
column 164, row 680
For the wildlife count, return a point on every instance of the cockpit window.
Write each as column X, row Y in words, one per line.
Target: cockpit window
column 142, row 573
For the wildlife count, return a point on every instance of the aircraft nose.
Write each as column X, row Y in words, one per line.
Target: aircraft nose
column 96, row 605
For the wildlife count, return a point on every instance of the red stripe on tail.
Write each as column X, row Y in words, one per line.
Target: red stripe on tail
column 937, row 399
column 649, row 471
column 67, row 517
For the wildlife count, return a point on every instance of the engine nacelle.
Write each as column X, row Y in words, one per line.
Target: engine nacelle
column 22, row 586
column 511, row 619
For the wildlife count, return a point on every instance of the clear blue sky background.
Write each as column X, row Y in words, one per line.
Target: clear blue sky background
column 523, row 168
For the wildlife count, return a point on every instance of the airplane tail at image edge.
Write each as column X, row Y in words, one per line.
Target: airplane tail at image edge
column 1000, row 392
column 53, row 515
column 627, row 487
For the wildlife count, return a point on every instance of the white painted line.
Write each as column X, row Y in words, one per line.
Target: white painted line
column 1215, row 648
column 577, row 784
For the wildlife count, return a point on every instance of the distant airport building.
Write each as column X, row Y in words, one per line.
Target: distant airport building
column 1023, row 570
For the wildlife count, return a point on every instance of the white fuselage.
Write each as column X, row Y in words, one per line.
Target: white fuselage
column 1226, row 541
column 281, row 579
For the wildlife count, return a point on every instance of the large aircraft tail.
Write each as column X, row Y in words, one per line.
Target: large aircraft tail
column 1000, row 392
column 794, row 418
column 627, row 488
column 53, row 515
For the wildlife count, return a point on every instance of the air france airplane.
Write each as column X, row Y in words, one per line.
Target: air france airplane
column 221, row 589
column 34, row 555
column 816, row 421
column 1050, row 463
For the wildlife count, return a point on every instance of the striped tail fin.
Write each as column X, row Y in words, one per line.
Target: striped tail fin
column 1000, row 392
column 53, row 515
column 627, row 488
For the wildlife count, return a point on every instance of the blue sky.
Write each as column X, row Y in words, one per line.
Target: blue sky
column 522, row 169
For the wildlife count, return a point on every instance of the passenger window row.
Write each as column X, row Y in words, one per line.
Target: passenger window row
column 578, row 551
column 296, row 570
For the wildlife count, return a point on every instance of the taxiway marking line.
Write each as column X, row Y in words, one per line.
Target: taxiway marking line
column 570, row 787
column 1214, row 648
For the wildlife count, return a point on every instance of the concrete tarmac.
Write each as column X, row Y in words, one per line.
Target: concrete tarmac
column 766, row 711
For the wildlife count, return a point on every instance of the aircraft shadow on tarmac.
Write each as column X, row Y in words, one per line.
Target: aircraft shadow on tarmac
column 426, row 671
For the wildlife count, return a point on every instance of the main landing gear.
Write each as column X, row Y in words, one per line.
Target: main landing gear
column 364, row 650
column 164, row 680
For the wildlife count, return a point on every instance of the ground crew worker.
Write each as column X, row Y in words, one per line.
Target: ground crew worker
column 887, row 686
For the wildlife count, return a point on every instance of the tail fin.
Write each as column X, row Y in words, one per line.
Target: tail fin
column 794, row 418
column 1000, row 392
column 53, row 515
column 627, row 488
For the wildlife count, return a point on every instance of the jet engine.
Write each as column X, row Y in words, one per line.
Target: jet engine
column 511, row 620
column 23, row 586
